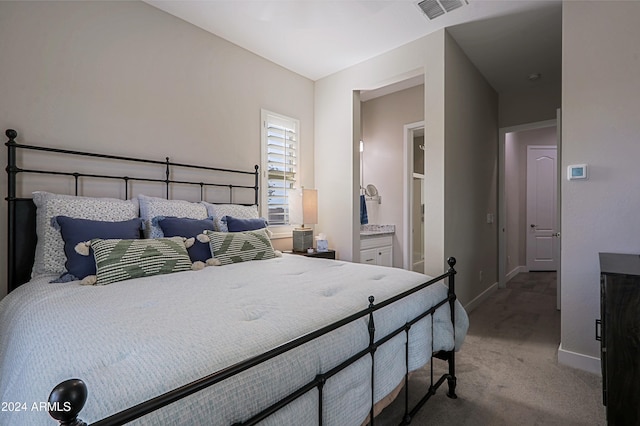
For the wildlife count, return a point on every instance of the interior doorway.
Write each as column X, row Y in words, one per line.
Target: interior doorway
column 382, row 115
column 414, row 150
column 512, row 194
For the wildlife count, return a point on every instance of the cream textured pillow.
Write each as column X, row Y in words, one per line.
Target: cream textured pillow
column 49, row 256
column 151, row 207
column 218, row 211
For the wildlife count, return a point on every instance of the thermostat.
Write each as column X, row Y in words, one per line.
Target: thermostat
column 577, row 171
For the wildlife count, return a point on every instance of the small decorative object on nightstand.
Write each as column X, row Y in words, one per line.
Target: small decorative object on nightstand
column 321, row 242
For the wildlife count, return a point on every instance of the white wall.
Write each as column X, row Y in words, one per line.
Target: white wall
column 127, row 78
column 513, row 199
column 383, row 161
column 459, row 158
column 337, row 125
column 600, row 127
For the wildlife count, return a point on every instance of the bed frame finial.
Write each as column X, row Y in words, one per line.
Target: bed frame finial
column 451, row 262
column 11, row 134
column 66, row 401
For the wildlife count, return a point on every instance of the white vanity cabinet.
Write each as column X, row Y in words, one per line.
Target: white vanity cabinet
column 377, row 250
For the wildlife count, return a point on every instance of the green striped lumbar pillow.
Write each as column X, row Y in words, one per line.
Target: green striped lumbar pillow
column 118, row 260
column 234, row 247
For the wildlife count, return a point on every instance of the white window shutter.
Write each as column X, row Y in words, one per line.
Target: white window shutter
column 280, row 162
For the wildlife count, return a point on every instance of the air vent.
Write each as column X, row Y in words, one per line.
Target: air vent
column 431, row 8
column 435, row 8
column 450, row 5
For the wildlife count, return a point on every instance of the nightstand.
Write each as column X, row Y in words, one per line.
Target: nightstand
column 330, row 254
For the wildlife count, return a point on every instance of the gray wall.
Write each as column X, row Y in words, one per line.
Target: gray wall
column 471, row 179
column 127, row 78
column 538, row 102
column 600, row 127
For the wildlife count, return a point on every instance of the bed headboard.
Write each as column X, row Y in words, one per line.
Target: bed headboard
column 21, row 212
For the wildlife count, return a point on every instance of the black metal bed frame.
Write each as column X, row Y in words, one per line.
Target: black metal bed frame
column 68, row 398
column 21, row 211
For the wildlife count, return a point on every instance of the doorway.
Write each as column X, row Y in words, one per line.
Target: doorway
column 414, row 152
column 512, row 195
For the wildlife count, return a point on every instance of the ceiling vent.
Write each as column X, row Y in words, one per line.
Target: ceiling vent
column 435, row 8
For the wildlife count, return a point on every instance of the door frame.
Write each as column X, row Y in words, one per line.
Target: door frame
column 407, row 256
column 502, row 205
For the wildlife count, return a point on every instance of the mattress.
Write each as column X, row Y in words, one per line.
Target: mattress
column 133, row 340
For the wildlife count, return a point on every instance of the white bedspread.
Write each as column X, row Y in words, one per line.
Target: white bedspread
column 133, row 340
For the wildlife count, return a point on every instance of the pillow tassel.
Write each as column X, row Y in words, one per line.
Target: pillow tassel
column 89, row 280
column 188, row 242
column 203, row 238
column 82, row 248
column 197, row 265
column 213, row 262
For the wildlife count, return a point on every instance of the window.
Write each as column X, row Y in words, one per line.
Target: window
column 280, row 155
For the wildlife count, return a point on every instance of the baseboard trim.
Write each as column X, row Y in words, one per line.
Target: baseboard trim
column 516, row 271
column 477, row 301
column 579, row 361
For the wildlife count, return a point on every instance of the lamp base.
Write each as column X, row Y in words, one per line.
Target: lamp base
column 302, row 239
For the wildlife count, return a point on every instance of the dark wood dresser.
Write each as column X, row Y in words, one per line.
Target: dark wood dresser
column 620, row 337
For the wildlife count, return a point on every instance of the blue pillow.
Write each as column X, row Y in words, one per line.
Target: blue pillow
column 241, row 225
column 188, row 228
column 75, row 231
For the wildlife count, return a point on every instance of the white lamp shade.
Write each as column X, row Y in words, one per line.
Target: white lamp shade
column 310, row 206
column 303, row 206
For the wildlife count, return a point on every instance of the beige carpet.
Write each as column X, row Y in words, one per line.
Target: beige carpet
column 507, row 370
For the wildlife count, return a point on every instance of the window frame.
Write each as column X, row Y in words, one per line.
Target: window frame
column 278, row 231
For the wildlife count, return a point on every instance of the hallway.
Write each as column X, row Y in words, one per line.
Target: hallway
column 507, row 369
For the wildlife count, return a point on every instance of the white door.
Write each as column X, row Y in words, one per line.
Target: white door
column 542, row 244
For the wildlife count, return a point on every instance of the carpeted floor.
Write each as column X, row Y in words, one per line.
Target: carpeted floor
column 507, row 369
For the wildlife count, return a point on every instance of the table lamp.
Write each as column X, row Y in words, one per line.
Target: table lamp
column 302, row 235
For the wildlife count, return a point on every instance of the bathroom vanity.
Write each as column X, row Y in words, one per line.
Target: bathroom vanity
column 376, row 244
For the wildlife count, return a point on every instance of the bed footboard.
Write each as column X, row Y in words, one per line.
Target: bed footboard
column 68, row 398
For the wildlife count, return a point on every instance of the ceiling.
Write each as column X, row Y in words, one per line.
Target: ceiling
column 507, row 40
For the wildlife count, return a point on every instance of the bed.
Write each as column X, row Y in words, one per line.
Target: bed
column 278, row 339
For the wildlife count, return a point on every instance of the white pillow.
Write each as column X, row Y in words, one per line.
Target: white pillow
column 218, row 211
column 50, row 257
column 151, row 207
